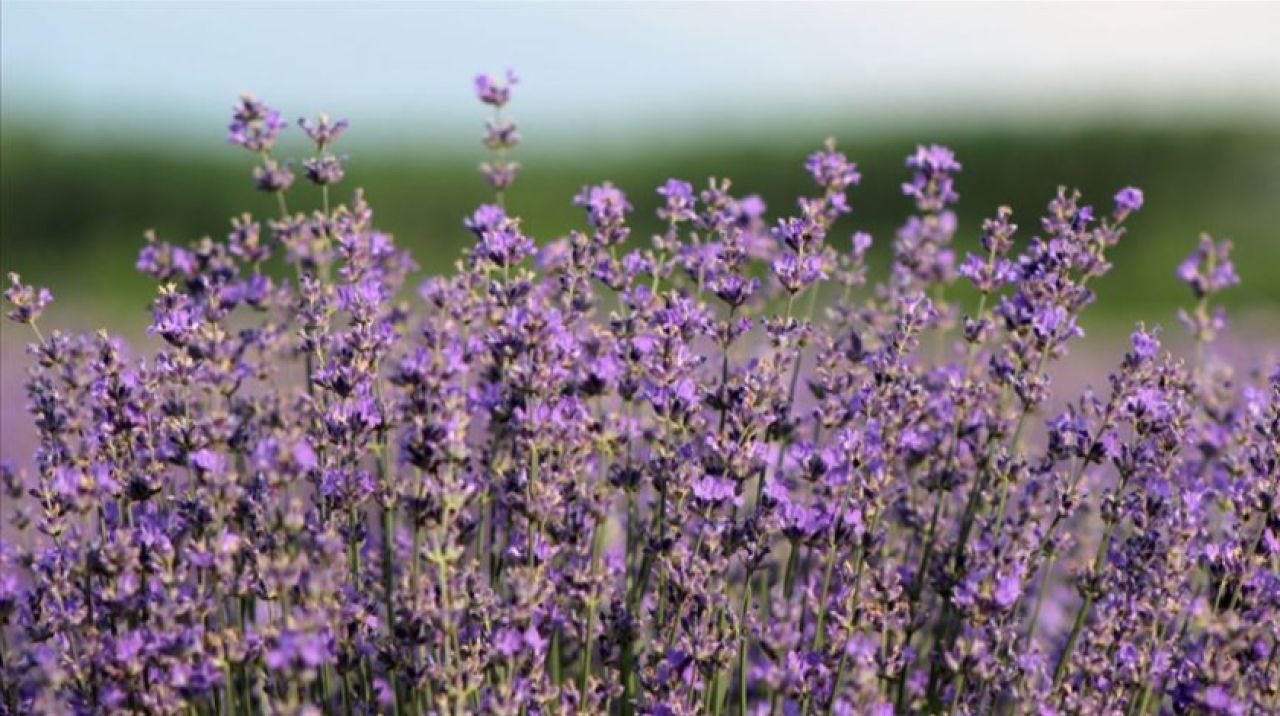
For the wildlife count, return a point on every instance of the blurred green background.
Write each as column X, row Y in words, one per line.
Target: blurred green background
column 72, row 214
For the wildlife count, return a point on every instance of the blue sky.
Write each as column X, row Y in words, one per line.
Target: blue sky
column 618, row 71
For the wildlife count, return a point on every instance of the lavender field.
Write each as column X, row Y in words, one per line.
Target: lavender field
column 733, row 466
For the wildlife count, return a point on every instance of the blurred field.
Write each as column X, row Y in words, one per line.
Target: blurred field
column 72, row 215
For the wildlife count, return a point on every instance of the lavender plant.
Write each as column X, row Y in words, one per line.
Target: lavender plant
column 720, row 473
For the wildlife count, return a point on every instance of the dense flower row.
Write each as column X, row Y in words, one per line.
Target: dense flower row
column 721, row 474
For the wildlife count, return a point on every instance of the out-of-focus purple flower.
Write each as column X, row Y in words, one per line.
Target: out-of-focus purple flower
column 500, row 174
column 1128, row 200
column 800, row 234
column 323, row 132
column 254, row 125
column 1008, row 589
column 798, row 273
column 486, row 217
column 274, row 178
column 508, row 642
column 501, row 134
column 932, row 183
column 1145, row 344
column 733, row 289
column 606, row 205
column 494, row 91
column 27, row 302
column 1209, row 268
column 832, row 169
column 1208, row 271
column 680, row 200
column 715, row 490
column 505, row 245
column 207, row 460
column 323, row 171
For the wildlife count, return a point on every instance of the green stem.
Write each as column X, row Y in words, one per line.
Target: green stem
column 553, row 656
column 819, row 635
column 789, row 574
column 388, row 587
column 958, row 694
column 1257, row 544
column 656, row 526
column 1044, row 584
column 850, row 606
column 597, row 542
column 1060, row 671
column 918, row 588
column 535, row 525
column 724, row 374
column 742, row 646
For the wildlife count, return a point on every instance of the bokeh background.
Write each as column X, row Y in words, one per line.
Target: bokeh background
column 112, row 121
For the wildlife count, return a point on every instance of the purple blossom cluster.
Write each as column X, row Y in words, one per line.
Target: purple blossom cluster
column 720, row 472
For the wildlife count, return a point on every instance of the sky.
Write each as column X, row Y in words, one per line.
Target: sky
column 617, row 72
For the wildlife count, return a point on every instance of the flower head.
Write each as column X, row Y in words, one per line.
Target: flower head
column 494, row 91
column 1128, row 200
column 323, row 132
column 254, row 125
column 1209, row 268
column 27, row 302
column 932, row 182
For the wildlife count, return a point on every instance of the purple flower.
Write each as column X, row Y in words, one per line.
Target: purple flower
column 832, row 169
column 501, row 133
column 932, row 184
column 1128, row 200
column 493, row 91
column 274, row 178
column 254, row 125
column 27, row 302
column 798, row 273
column 606, row 205
column 487, row 217
column 1145, row 344
column 1008, row 590
column 323, row 171
column 733, row 289
column 800, row 234
column 715, row 490
column 505, row 245
column 206, row 460
column 323, row 132
column 1209, row 269
column 500, row 174
column 508, row 642
column 680, row 200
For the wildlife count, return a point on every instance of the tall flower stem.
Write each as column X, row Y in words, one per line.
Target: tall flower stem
column 851, row 605
column 1060, row 671
column 593, row 603
column 819, row 634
